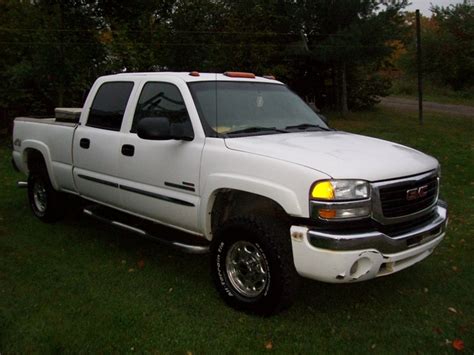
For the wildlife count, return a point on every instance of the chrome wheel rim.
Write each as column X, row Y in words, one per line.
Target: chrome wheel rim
column 247, row 269
column 39, row 196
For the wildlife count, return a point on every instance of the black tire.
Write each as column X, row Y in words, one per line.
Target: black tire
column 51, row 207
column 268, row 240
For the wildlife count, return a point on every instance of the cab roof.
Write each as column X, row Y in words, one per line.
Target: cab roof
column 187, row 77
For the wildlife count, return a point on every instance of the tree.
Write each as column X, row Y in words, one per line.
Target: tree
column 325, row 49
column 345, row 37
column 52, row 53
column 448, row 46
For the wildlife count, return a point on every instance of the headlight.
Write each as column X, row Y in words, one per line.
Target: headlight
column 340, row 190
column 340, row 199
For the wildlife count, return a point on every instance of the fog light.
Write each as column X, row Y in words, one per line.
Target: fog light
column 360, row 267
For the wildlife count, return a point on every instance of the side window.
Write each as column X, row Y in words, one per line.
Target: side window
column 109, row 105
column 162, row 100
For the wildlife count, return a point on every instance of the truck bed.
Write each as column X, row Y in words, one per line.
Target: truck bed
column 49, row 120
column 53, row 139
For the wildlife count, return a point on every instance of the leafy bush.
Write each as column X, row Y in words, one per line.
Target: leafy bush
column 365, row 90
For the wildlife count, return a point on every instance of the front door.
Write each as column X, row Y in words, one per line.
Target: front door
column 162, row 177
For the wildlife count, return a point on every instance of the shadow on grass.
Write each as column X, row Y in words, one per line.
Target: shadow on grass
column 315, row 297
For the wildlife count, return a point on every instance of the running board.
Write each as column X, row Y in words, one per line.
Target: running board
column 22, row 184
column 185, row 247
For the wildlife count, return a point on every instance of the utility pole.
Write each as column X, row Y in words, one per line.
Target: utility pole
column 419, row 67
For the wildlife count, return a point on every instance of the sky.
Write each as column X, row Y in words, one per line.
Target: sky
column 424, row 5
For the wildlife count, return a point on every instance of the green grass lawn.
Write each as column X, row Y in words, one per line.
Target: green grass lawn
column 407, row 87
column 80, row 286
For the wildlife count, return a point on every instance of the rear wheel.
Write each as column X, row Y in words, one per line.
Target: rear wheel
column 252, row 265
column 45, row 202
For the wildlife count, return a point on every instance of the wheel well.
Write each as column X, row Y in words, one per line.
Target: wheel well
column 34, row 160
column 232, row 203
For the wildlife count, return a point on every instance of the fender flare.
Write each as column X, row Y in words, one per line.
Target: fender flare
column 280, row 194
column 30, row 144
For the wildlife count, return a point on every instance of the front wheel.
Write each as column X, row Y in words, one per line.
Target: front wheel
column 252, row 265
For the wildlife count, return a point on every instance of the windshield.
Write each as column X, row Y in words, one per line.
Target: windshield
column 241, row 108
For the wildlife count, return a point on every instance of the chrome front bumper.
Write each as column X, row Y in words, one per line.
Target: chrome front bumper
column 340, row 257
column 380, row 241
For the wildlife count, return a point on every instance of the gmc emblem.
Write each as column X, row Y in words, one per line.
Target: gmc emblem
column 416, row 193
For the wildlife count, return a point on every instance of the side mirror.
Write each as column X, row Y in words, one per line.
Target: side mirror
column 154, row 128
column 160, row 129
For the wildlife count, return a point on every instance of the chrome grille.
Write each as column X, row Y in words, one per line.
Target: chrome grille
column 394, row 200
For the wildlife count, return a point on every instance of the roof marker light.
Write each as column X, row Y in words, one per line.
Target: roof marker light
column 194, row 73
column 270, row 77
column 238, row 74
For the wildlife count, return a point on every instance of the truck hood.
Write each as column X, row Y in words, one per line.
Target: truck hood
column 339, row 154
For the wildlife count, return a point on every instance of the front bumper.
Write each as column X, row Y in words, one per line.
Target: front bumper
column 340, row 257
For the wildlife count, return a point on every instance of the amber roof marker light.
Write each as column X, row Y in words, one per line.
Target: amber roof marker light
column 239, row 74
column 194, row 73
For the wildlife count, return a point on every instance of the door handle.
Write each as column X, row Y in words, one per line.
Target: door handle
column 85, row 143
column 128, row 150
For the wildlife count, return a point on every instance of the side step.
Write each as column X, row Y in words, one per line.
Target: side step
column 22, row 184
column 133, row 224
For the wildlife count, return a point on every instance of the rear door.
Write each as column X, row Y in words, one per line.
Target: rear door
column 161, row 178
column 96, row 146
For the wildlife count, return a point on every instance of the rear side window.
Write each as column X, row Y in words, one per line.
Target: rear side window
column 109, row 105
column 162, row 100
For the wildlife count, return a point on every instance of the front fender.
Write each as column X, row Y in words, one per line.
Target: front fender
column 282, row 195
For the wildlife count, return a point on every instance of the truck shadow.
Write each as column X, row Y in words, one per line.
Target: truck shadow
column 314, row 298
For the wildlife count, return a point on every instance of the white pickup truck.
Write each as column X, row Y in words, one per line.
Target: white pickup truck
column 247, row 169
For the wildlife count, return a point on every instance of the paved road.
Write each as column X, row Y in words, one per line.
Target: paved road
column 428, row 106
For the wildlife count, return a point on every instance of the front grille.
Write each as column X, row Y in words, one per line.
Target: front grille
column 394, row 198
column 394, row 230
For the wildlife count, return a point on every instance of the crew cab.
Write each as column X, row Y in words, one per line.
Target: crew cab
column 247, row 170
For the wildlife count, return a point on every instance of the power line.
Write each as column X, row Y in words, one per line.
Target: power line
column 270, row 33
column 197, row 44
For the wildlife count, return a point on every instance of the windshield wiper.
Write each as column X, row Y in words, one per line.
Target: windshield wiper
column 305, row 126
column 256, row 129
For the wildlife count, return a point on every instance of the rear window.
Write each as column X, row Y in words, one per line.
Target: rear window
column 109, row 105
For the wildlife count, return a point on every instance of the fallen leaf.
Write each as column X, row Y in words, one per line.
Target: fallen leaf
column 131, row 270
column 452, row 310
column 373, row 346
column 141, row 264
column 458, row 344
column 437, row 330
column 425, row 290
column 189, row 352
column 124, row 261
column 455, row 268
column 269, row 345
column 170, row 290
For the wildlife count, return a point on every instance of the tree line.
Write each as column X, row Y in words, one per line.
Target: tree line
column 329, row 51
